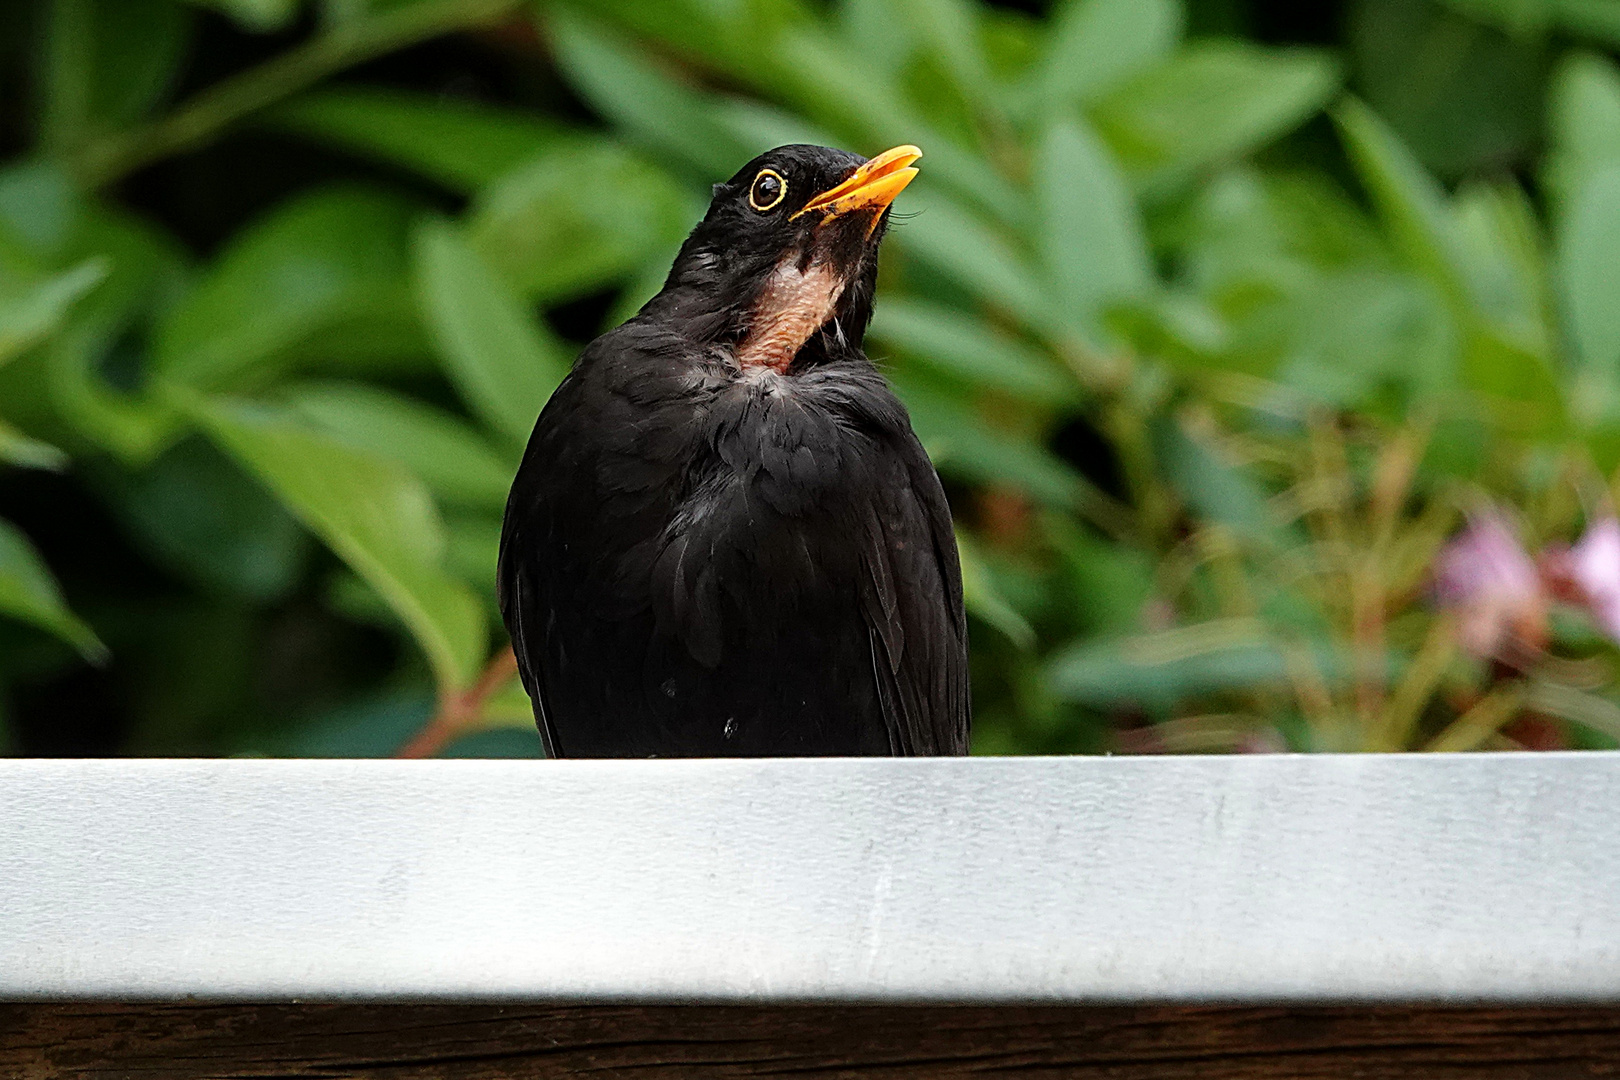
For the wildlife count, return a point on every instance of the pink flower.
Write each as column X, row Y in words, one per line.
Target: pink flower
column 1485, row 576
column 1264, row 741
column 1592, row 568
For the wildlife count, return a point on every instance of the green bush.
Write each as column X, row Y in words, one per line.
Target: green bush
column 1214, row 342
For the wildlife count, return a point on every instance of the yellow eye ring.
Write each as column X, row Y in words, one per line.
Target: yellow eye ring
column 760, row 195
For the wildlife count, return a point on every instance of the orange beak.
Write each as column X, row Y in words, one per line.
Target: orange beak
column 872, row 186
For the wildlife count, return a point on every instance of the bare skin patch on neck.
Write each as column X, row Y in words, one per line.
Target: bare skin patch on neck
column 794, row 304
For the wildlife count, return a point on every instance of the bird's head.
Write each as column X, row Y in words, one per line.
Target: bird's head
column 783, row 267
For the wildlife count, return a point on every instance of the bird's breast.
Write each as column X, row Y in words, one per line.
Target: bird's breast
column 795, row 302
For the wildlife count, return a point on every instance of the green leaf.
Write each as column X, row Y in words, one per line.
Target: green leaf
column 963, row 446
column 195, row 512
column 475, row 548
column 461, row 144
column 658, row 111
column 457, row 464
column 18, row 449
column 1585, row 125
column 1088, row 230
column 67, row 78
column 1215, row 490
column 1464, row 99
column 28, row 592
column 1598, row 19
column 503, row 360
column 1157, row 671
column 973, row 254
column 1409, row 200
column 647, row 283
column 1588, row 265
column 1013, row 43
column 732, row 37
column 868, row 112
column 949, row 30
column 878, row 31
column 1505, row 260
column 1514, row 16
column 1210, row 102
column 510, row 707
column 345, row 593
column 259, row 16
column 1188, row 332
column 1112, row 584
column 377, row 518
column 107, row 62
column 506, row 742
column 41, row 207
column 956, row 343
column 106, row 333
column 1092, row 45
column 1357, row 333
column 26, row 319
column 576, row 219
column 777, row 47
column 1597, row 712
column 135, row 427
column 147, row 269
column 375, row 726
column 1294, row 283
column 1519, row 387
column 1250, row 232
column 757, row 127
column 323, row 279
column 984, row 602
column 140, row 47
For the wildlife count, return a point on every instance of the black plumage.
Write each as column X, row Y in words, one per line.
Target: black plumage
column 724, row 538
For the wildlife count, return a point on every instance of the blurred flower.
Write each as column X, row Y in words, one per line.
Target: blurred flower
column 1487, row 578
column 1266, row 740
column 1588, row 574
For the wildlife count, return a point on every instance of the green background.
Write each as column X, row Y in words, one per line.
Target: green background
column 1216, row 317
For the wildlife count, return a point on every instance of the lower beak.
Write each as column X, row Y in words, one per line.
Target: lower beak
column 872, row 186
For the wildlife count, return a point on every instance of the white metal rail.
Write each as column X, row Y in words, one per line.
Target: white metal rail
column 1305, row 879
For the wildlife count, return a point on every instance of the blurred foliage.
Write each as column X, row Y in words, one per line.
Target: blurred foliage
column 1215, row 315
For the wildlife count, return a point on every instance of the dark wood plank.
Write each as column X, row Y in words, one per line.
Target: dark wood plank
column 520, row 1042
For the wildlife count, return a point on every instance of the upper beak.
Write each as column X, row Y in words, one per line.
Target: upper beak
column 872, row 186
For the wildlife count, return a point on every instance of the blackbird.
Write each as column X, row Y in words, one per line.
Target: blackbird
column 724, row 538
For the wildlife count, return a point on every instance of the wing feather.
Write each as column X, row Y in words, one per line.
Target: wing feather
column 914, row 612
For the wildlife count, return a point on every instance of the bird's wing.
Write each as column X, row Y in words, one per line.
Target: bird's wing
column 912, row 603
column 518, row 575
column 519, row 608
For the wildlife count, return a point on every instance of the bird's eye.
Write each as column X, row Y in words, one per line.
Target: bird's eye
column 768, row 190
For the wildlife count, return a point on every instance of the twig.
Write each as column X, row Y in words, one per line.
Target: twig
column 461, row 712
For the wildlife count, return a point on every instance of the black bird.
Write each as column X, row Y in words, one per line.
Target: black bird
column 724, row 538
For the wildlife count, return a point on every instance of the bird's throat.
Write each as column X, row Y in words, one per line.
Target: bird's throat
column 795, row 303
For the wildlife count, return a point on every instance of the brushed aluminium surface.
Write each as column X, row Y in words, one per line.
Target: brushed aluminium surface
column 1257, row 878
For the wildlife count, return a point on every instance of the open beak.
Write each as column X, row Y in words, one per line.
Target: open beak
column 872, row 186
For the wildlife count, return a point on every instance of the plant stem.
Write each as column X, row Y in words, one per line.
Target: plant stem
column 216, row 108
column 1154, row 513
column 460, row 713
column 1481, row 721
column 1404, row 707
column 65, row 104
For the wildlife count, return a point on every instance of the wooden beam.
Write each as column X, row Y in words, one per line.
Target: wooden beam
column 527, row 1042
